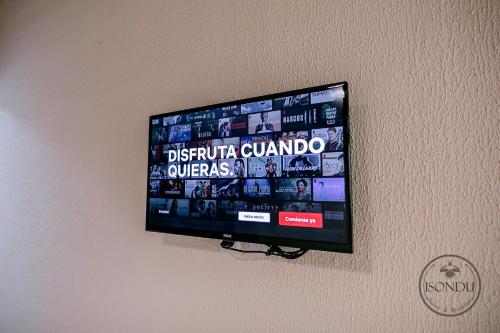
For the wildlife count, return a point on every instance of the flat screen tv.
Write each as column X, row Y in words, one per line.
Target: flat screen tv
column 272, row 169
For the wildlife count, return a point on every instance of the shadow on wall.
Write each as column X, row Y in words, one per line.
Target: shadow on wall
column 362, row 211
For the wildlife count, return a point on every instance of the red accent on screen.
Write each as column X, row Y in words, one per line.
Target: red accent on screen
column 305, row 220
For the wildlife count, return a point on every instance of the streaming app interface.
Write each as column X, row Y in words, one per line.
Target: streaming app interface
column 273, row 167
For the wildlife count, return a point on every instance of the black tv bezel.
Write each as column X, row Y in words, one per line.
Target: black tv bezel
column 346, row 247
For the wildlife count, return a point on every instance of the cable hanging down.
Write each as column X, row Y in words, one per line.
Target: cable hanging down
column 272, row 251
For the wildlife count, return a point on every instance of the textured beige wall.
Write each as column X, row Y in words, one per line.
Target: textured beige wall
column 78, row 80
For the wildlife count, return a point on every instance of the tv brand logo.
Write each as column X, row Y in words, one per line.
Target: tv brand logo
column 306, row 220
column 449, row 285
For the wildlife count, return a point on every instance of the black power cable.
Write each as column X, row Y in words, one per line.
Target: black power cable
column 272, row 251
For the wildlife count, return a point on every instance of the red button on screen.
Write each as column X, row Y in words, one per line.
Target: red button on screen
column 306, row 220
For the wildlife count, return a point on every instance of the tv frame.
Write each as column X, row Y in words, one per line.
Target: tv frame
column 346, row 247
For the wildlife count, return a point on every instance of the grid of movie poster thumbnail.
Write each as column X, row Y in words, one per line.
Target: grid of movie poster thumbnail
column 295, row 183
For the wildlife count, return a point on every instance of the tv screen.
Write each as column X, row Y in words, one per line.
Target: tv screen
column 272, row 169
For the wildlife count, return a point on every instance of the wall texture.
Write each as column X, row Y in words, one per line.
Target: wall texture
column 78, row 80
